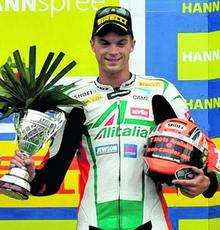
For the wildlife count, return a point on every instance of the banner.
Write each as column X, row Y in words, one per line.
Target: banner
column 177, row 40
column 183, row 45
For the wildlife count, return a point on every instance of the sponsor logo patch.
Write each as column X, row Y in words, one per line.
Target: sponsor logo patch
column 139, row 112
column 112, row 17
column 176, row 126
column 150, row 83
column 93, row 98
column 130, row 150
column 83, row 94
column 106, row 149
column 140, row 97
column 119, row 93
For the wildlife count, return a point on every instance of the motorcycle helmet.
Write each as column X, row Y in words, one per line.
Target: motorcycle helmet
column 174, row 146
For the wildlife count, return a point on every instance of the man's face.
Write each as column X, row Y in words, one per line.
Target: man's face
column 112, row 51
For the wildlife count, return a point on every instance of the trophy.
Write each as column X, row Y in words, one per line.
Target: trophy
column 33, row 130
column 23, row 92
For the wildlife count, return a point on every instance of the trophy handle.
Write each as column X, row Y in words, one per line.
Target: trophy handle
column 59, row 119
column 15, row 183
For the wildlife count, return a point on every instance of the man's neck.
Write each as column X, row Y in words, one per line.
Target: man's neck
column 114, row 79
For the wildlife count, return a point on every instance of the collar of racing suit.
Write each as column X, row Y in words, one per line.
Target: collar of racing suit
column 124, row 86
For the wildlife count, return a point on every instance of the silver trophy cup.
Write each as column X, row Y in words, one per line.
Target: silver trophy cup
column 33, row 130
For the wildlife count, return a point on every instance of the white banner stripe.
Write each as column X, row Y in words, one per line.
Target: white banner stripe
column 7, row 128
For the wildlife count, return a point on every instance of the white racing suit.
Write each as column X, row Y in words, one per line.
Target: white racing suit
column 109, row 135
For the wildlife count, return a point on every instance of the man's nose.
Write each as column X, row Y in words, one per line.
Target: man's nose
column 113, row 49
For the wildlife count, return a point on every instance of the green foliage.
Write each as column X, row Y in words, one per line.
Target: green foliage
column 21, row 89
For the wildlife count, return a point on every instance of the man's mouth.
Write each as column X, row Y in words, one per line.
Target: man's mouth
column 113, row 60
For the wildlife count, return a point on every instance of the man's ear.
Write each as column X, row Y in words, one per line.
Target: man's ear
column 92, row 44
column 133, row 45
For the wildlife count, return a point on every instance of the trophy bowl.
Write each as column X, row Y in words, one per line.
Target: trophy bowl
column 33, row 131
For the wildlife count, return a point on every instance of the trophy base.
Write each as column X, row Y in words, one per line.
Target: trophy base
column 13, row 191
column 15, row 184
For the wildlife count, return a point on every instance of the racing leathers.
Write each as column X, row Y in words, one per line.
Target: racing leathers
column 108, row 137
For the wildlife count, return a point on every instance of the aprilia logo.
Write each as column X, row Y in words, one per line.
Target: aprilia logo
column 138, row 112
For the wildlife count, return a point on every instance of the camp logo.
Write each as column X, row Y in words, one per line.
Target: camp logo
column 140, row 97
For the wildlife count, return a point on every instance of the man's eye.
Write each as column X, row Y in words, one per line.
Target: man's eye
column 103, row 43
column 122, row 43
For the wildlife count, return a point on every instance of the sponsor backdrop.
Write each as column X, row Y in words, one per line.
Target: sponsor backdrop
column 179, row 40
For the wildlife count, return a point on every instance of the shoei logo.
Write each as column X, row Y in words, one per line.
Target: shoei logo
column 83, row 94
column 177, row 126
column 112, row 17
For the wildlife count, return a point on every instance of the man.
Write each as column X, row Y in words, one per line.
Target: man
column 109, row 135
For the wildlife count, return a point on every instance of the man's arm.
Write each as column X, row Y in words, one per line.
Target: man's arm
column 49, row 177
column 206, row 182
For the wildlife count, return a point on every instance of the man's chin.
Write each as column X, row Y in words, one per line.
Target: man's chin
column 113, row 69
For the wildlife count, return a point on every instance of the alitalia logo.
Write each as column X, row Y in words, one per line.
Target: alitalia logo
column 114, row 122
column 110, row 132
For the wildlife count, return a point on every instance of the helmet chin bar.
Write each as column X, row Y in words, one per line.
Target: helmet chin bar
column 162, row 109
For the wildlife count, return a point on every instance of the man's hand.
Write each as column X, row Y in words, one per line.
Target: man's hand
column 193, row 187
column 20, row 161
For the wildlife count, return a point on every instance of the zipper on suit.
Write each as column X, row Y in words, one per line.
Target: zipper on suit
column 119, row 157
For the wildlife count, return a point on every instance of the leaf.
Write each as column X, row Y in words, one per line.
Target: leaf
column 40, row 79
column 32, row 65
column 29, row 102
column 3, row 106
column 58, row 98
column 61, row 74
column 9, row 101
column 4, row 92
column 10, row 90
column 53, row 66
column 9, row 74
column 29, row 91
column 66, row 88
column 21, row 70
column 8, row 113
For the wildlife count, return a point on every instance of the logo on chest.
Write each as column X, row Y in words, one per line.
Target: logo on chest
column 106, row 149
column 139, row 112
column 130, row 151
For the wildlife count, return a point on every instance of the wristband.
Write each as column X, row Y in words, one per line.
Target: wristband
column 213, row 187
